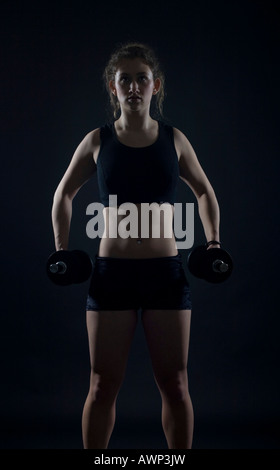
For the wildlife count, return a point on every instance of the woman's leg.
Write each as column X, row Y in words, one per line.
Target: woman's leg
column 110, row 335
column 167, row 333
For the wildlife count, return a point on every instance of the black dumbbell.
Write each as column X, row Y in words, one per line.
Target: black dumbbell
column 213, row 265
column 69, row 267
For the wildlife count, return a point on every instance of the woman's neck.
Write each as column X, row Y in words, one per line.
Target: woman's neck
column 134, row 122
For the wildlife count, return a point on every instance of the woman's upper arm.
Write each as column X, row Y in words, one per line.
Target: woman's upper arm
column 190, row 169
column 82, row 165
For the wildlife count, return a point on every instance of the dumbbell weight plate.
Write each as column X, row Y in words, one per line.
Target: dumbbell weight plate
column 201, row 263
column 83, row 266
column 58, row 277
column 213, row 255
column 69, row 267
column 195, row 261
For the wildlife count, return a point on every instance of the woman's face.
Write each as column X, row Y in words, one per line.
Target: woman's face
column 134, row 85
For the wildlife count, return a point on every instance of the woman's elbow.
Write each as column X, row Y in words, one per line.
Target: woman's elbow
column 204, row 191
column 208, row 194
column 62, row 194
column 61, row 200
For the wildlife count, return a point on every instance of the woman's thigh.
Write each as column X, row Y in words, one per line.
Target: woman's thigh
column 167, row 333
column 110, row 334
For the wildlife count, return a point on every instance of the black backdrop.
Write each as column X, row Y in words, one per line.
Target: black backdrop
column 221, row 64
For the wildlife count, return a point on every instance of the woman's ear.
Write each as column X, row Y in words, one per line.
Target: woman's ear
column 112, row 87
column 157, row 85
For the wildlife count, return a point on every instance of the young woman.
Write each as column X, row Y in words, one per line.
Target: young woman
column 139, row 159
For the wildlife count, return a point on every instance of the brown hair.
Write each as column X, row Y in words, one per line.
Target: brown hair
column 132, row 51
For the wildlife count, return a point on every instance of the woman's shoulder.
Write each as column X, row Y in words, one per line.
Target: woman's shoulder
column 180, row 136
column 92, row 138
column 166, row 124
column 177, row 133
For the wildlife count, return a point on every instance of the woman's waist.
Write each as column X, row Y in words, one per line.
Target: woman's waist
column 137, row 247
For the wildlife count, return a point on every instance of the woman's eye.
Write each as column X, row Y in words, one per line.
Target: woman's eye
column 141, row 79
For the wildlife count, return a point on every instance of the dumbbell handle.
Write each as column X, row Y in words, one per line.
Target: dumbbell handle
column 220, row 266
column 59, row 267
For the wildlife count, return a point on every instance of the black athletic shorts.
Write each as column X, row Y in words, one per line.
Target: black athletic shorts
column 150, row 283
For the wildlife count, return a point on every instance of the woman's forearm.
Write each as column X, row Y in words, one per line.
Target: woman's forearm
column 209, row 213
column 61, row 219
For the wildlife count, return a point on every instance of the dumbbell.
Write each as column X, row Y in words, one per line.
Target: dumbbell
column 214, row 265
column 69, row 267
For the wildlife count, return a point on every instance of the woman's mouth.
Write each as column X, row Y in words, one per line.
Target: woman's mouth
column 134, row 98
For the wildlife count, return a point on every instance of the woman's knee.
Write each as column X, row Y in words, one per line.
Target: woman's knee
column 174, row 387
column 104, row 387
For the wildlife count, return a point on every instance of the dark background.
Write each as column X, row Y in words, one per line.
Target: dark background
column 221, row 63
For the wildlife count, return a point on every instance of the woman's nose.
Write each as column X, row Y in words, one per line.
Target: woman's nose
column 134, row 86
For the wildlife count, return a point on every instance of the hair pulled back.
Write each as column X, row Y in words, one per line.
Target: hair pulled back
column 132, row 51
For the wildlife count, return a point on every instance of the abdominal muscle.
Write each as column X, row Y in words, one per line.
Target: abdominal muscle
column 139, row 237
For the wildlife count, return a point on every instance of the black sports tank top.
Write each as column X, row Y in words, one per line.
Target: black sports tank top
column 142, row 174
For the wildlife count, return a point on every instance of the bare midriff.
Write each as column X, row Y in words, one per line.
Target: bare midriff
column 145, row 234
